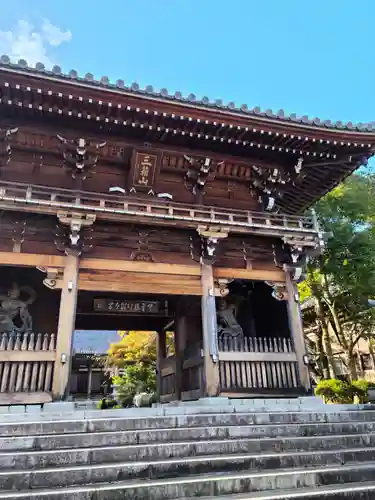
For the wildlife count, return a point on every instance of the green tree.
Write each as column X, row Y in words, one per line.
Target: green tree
column 136, row 355
column 341, row 280
column 134, row 347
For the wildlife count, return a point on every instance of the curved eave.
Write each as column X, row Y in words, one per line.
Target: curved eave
column 199, row 108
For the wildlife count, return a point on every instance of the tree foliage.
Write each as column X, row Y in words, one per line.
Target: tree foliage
column 136, row 355
column 339, row 282
column 134, row 347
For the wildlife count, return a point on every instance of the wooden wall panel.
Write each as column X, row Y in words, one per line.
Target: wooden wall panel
column 132, row 282
column 37, row 159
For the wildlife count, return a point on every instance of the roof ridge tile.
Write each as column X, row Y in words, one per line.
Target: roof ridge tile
column 204, row 102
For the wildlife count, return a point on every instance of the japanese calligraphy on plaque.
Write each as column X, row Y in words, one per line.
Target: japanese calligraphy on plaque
column 126, row 306
column 144, row 168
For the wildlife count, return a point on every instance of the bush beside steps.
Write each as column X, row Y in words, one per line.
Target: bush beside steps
column 341, row 392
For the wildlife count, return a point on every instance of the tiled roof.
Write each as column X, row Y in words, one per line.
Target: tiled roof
column 191, row 99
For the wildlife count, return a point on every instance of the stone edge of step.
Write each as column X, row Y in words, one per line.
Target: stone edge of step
column 298, row 494
column 210, row 458
column 195, row 442
column 129, row 414
column 160, row 430
column 366, row 486
column 55, row 411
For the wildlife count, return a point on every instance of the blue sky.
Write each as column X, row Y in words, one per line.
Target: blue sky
column 309, row 57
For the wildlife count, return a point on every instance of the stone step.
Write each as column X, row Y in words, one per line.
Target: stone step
column 189, row 466
column 181, row 434
column 301, row 482
column 116, row 422
column 355, row 491
column 71, row 410
column 24, row 460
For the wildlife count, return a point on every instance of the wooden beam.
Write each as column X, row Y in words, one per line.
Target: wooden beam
column 134, row 287
column 151, row 268
column 137, row 287
column 256, row 357
column 250, row 274
column 31, row 260
column 148, row 278
column 140, row 267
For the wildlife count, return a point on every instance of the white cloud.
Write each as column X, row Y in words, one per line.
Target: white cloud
column 25, row 42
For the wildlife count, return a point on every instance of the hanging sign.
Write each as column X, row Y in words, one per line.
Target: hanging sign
column 126, row 306
column 144, row 168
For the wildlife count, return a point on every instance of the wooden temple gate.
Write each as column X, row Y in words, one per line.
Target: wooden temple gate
column 107, row 189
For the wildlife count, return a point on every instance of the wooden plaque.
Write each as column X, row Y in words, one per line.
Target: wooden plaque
column 144, row 170
column 126, row 306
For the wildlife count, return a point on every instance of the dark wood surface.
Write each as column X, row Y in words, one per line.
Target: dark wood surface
column 128, row 123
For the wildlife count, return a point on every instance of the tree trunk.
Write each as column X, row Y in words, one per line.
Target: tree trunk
column 323, row 360
column 324, row 342
column 352, row 366
column 330, row 358
column 371, row 349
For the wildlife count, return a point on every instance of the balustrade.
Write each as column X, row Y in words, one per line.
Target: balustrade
column 50, row 200
column 26, row 364
column 253, row 364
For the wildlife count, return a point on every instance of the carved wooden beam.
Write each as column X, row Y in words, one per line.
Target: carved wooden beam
column 6, row 135
column 210, row 238
column 80, row 155
column 71, row 239
column 199, row 172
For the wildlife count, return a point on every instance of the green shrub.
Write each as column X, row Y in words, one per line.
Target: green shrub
column 341, row 392
column 335, row 391
column 105, row 404
column 125, row 391
column 135, row 379
column 360, row 390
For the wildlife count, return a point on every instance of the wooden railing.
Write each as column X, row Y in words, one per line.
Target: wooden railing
column 51, row 200
column 26, row 367
column 253, row 365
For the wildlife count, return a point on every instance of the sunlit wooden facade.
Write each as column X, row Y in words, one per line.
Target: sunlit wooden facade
column 137, row 196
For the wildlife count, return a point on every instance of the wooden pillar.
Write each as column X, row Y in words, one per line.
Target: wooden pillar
column 296, row 329
column 180, row 344
column 160, row 356
column 210, row 344
column 65, row 329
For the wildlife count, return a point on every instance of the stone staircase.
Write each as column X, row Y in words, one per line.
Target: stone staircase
column 189, row 452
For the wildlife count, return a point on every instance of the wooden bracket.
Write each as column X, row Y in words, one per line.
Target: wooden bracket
column 210, row 238
column 80, row 155
column 5, row 145
column 72, row 241
column 53, row 276
column 18, row 235
column 279, row 290
column 221, row 286
column 292, row 259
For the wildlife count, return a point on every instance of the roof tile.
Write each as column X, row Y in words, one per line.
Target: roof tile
column 5, row 61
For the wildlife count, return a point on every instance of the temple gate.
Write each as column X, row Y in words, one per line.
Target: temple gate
column 116, row 192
